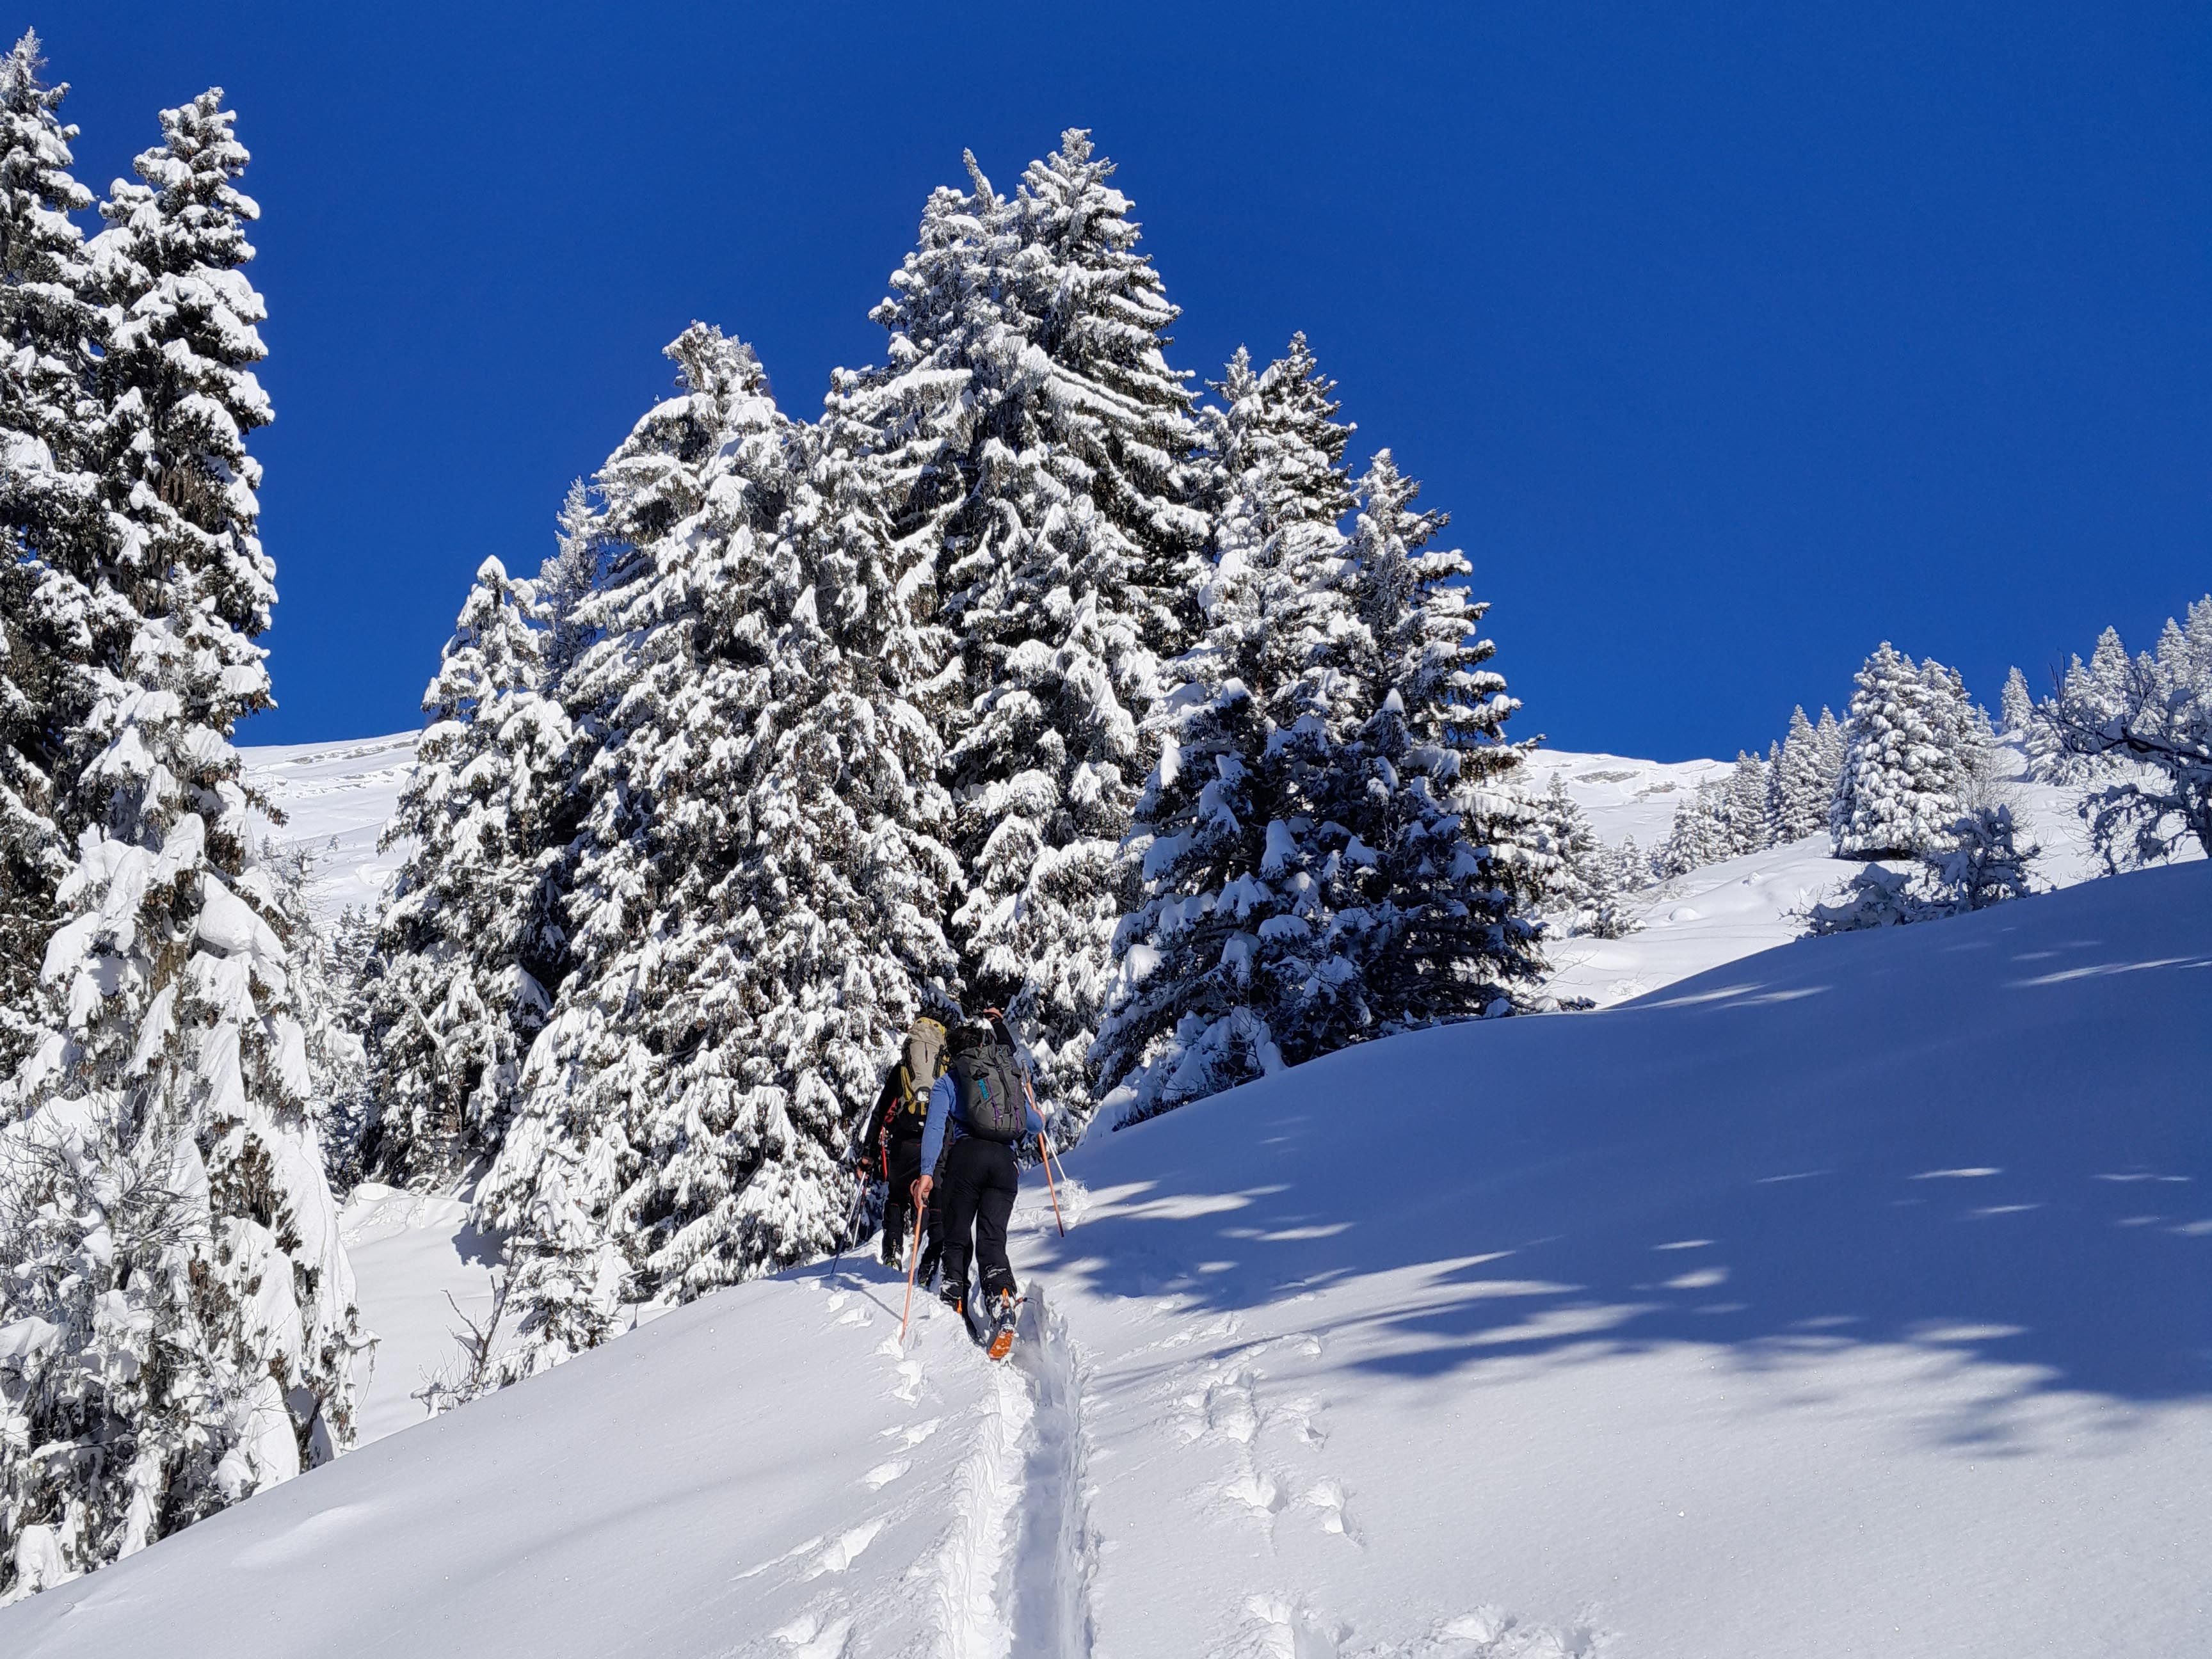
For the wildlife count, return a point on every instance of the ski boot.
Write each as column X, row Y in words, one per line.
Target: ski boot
column 1005, row 1312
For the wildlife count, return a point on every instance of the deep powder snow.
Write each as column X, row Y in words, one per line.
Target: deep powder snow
column 1847, row 1299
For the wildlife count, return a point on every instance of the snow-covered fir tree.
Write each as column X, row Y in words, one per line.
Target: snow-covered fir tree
column 565, row 581
column 347, row 947
column 1828, row 731
column 1802, row 784
column 2106, row 687
column 182, row 1302
column 1069, row 566
column 1438, row 866
column 465, row 946
column 1748, row 827
column 2016, row 706
column 671, row 696
column 1226, row 967
column 1588, row 888
column 324, row 964
column 1965, row 733
column 1633, row 871
column 1700, row 835
column 1903, row 781
column 50, row 511
column 825, row 928
column 2049, row 758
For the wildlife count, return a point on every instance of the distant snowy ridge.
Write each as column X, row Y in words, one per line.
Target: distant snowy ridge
column 338, row 797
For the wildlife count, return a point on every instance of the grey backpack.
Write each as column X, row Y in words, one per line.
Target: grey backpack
column 921, row 1062
column 993, row 1101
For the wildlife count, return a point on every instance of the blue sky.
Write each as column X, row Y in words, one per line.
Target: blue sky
column 1735, row 338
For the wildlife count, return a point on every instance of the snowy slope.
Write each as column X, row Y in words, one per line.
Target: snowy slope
column 337, row 796
column 335, row 799
column 1624, row 798
column 420, row 1269
column 1848, row 1300
column 1724, row 912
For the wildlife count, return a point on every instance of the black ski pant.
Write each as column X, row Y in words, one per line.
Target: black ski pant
column 981, row 1181
column 899, row 1206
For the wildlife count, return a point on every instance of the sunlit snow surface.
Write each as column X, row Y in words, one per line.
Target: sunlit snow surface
column 337, row 796
column 335, row 799
column 1722, row 912
column 1848, row 1300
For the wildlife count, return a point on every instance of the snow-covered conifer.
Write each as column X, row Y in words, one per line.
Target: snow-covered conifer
column 1437, row 866
column 1226, row 968
column 2146, row 732
column 1802, row 783
column 463, row 956
column 670, row 693
column 1055, row 460
column 2107, row 686
column 1900, row 789
column 1964, row 734
column 50, row 511
column 564, row 580
column 1700, row 833
column 1118, row 415
column 1748, row 828
column 182, row 1302
column 1633, row 871
column 1588, row 886
column 1829, row 732
column 2016, row 706
column 824, row 912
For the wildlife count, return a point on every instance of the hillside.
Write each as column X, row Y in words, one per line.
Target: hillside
column 337, row 797
column 1847, row 1300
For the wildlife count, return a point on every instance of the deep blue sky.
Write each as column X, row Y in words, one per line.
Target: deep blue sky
column 1735, row 338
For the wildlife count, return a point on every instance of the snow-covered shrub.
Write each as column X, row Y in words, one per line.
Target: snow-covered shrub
column 1982, row 865
column 1977, row 863
column 2143, row 730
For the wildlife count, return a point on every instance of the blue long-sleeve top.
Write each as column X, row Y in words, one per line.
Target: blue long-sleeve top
column 945, row 1119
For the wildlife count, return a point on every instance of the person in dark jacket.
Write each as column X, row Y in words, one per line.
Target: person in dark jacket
column 970, row 1154
column 891, row 1152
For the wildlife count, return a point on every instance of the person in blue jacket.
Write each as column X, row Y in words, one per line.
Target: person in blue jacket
column 979, row 1109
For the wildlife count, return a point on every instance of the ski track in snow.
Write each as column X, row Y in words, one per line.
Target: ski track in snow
column 1013, row 1574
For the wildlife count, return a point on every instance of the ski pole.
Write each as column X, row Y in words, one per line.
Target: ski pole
column 913, row 1260
column 1046, row 1153
column 845, row 1238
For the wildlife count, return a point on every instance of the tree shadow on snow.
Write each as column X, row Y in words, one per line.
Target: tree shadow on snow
column 1990, row 1138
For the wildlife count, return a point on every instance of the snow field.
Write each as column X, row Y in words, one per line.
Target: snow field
column 335, row 799
column 1847, row 1298
column 411, row 1252
column 1695, row 1327
column 1724, row 912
